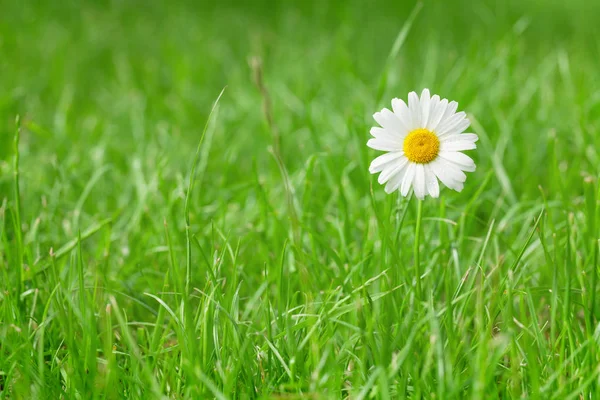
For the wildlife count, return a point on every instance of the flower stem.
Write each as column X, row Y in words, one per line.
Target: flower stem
column 416, row 249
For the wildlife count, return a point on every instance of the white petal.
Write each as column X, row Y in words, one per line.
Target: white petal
column 401, row 110
column 391, row 170
column 378, row 164
column 425, row 101
column 431, row 182
column 384, row 145
column 408, row 179
column 396, row 180
column 436, row 114
column 390, row 122
column 457, row 145
column 388, row 172
column 376, row 131
column 463, row 161
column 451, row 176
column 450, row 110
column 415, row 110
column 459, row 187
column 455, row 172
column 419, row 181
column 382, row 133
column 459, row 137
column 449, row 123
column 433, row 104
column 456, row 129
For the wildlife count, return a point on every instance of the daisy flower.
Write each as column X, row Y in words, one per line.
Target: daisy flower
column 423, row 142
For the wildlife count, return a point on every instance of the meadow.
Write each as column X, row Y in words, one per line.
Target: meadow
column 186, row 210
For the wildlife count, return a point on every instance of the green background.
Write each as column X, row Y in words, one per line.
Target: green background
column 294, row 277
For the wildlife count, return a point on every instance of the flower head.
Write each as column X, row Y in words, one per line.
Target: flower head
column 423, row 141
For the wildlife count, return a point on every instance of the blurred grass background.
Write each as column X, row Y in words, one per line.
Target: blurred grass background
column 113, row 97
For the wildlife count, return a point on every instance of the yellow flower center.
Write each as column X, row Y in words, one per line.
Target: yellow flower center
column 421, row 146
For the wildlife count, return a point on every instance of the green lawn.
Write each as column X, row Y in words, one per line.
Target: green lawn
column 143, row 255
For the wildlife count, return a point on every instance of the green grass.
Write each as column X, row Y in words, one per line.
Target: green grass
column 269, row 263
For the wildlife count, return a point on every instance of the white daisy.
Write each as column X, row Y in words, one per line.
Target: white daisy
column 423, row 142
